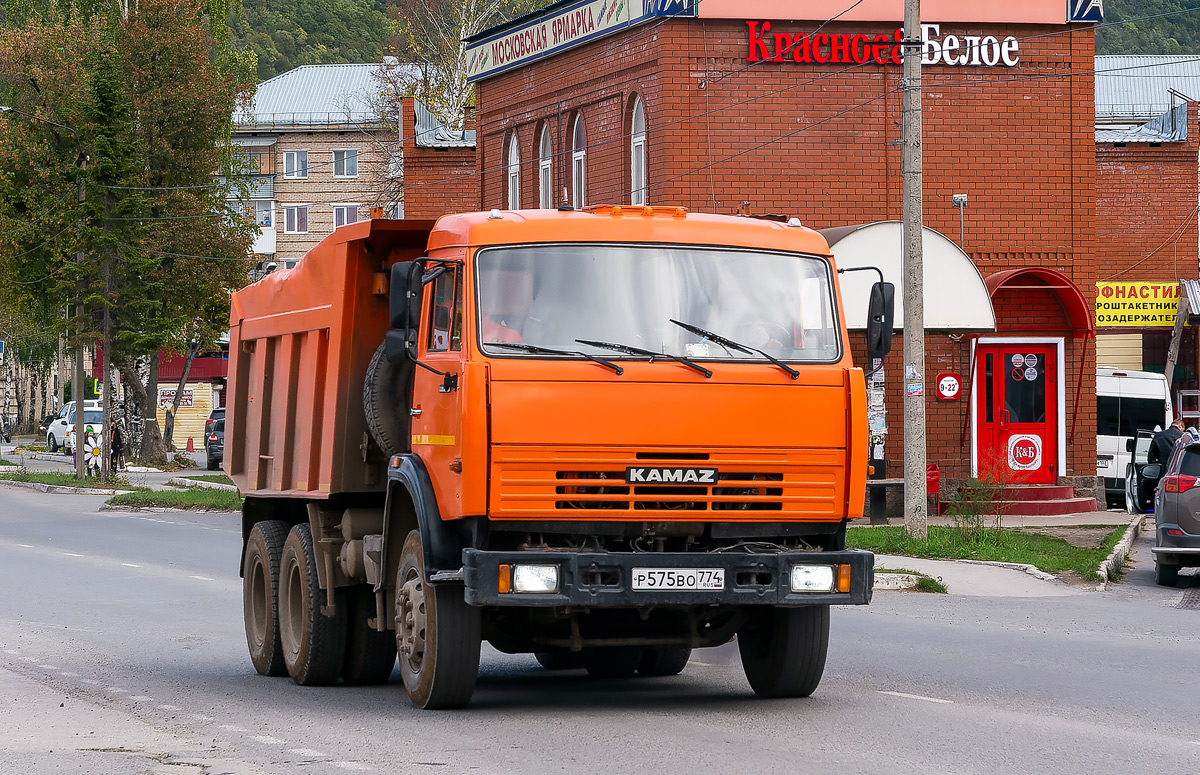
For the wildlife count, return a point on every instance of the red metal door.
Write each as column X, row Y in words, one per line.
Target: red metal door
column 1017, row 411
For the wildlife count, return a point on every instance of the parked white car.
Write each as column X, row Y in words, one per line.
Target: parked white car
column 92, row 418
column 56, row 433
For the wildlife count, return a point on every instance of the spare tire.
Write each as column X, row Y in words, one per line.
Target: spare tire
column 385, row 403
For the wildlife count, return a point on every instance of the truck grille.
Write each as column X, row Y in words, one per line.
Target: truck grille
column 579, row 484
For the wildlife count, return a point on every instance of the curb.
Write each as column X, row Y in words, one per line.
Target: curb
column 61, row 490
column 1032, row 570
column 180, row 481
column 1116, row 560
column 895, row 581
column 161, row 510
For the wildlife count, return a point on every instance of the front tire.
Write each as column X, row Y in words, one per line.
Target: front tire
column 314, row 645
column 1165, row 575
column 438, row 635
column 783, row 650
column 260, row 596
column 52, row 443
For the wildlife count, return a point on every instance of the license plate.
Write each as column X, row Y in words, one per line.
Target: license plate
column 678, row 578
column 1101, row 463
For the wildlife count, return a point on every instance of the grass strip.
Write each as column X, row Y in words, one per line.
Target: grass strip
column 59, row 479
column 184, row 500
column 215, row 478
column 4, row 462
column 1052, row 555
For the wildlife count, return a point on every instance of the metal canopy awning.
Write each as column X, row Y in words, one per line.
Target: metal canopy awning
column 956, row 298
column 1038, row 278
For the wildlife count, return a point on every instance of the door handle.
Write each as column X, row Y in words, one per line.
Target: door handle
column 1003, row 419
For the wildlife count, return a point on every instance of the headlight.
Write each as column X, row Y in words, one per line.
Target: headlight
column 535, row 578
column 813, row 578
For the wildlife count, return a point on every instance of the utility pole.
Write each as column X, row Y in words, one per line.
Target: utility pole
column 915, row 508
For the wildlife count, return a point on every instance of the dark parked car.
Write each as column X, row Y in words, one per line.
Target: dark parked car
column 1177, row 511
column 214, row 415
column 214, row 443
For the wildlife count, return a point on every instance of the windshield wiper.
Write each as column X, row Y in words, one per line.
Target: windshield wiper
column 624, row 348
column 730, row 344
column 533, row 348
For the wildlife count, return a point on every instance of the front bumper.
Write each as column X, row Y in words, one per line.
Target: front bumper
column 603, row 579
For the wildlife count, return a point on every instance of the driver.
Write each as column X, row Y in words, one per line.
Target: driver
column 505, row 296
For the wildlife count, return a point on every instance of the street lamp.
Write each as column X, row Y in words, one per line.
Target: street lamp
column 77, row 379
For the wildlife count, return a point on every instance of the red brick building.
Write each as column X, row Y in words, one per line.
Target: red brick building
column 770, row 107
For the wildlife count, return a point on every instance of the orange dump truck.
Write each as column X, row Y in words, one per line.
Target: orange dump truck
column 604, row 437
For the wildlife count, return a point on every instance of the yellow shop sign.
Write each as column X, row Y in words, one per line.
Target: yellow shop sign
column 1136, row 304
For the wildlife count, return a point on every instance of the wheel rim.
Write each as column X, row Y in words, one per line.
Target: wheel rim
column 292, row 604
column 259, row 604
column 410, row 621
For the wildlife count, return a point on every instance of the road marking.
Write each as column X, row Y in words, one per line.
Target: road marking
column 202, row 717
column 14, row 652
column 29, row 659
column 201, row 578
column 48, row 667
column 130, row 565
column 25, row 546
column 232, row 728
column 89, row 681
column 142, row 698
column 918, row 697
column 169, row 707
column 116, row 690
column 267, row 740
column 65, row 674
column 350, row 765
column 72, row 554
column 309, row 752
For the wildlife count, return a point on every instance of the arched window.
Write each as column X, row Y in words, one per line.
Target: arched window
column 637, row 154
column 578, row 163
column 545, row 180
column 514, row 174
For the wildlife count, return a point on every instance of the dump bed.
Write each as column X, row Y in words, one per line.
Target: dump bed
column 299, row 344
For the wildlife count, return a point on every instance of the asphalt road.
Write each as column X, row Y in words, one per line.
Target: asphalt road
column 122, row 651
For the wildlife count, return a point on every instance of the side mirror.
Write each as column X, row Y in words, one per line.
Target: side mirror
column 404, row 310
column 1130, row 444
column 880, row 313
column 1152, row 471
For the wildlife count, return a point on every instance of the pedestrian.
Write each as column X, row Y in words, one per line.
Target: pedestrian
column 1164, row 442
column 117, row 447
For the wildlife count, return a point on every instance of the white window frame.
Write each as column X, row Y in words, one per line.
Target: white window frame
column 290, row 207
column 512, row 172
column 637, row 155
column 342, row 206
column 347, row 151
column 578, row 164
column 395, row 210
column 295, row 152
column 545, row 170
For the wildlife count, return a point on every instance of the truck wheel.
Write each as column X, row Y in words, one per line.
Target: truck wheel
column 260, row 596
column 370, row 654
column 314, row 645
column 612, row 661
column 559, row 659
column 1165, row 575
column 664, row 660
column 437, row 635
column 383, row 400
column 783, row 650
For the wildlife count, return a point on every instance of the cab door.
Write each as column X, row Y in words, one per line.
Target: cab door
column 437, row 397
column 1017, row 417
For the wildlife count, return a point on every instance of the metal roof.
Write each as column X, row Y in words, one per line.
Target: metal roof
column 315, row 95
column 428, row 132
column 1170, row 127
column 1133, row 89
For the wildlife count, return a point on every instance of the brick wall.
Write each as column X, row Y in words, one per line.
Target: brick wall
column 821, row 142
column 437, row 180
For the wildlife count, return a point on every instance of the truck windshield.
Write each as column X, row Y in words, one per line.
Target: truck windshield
column 553, row 295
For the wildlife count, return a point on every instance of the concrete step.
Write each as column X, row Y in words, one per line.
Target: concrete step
column 1046, row 507
column 1037, row 492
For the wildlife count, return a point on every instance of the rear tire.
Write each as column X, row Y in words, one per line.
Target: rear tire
column 612, row 661
column 314, row 645
column 560, row 659
column 438, row 635
column 370, row 654
column 664, row 660
column 212, row 464
column 260, row 596
column 783, row 650
column 383, row 400
column 1165, row 575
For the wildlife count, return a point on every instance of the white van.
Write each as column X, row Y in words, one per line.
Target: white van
column 1126, row 401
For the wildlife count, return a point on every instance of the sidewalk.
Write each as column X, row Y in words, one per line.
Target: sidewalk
column 44, row 462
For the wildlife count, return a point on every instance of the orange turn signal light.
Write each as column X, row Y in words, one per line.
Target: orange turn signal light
column 504, row 583
column 843, row 581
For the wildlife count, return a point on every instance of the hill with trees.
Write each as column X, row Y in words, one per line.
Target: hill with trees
column 1141, row 27
column 285, row 34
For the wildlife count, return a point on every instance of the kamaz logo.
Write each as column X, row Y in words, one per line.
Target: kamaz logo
column 671, row 475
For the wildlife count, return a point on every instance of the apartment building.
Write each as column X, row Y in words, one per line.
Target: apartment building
column 321, row 157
